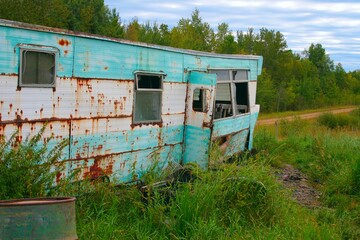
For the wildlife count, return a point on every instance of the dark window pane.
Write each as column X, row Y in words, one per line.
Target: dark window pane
column 242, row 98
column 147, row 106
column 149, row 81
column 38, row 68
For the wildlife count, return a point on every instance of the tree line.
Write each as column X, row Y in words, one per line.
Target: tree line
column 289, row 80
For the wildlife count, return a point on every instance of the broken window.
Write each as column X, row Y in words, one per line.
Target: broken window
column 148, row 94
column 37, row 68
column 242, row 100
column 201, row 98
column 231, row 93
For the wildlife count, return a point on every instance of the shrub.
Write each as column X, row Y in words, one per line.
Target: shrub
column 28, row 169
column 333, row 121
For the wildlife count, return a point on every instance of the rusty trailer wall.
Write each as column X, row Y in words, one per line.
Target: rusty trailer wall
column 88, row 89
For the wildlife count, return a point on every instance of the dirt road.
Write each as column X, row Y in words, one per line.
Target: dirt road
column 303, row 116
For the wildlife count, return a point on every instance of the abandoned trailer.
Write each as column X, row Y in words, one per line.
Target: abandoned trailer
column 123, row 105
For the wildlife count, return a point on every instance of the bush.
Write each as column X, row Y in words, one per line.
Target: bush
column 333, row 121
column 28, row 169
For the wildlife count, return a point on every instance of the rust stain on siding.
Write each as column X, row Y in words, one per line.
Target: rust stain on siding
column 98, row 169
column 85, row 83
column 64, row 42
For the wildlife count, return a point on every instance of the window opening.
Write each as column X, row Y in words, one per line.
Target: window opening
column 242, row 100
column 223, row 107
column 201, row 98
column 148, row 94
column 231, row 93
column 37, row 68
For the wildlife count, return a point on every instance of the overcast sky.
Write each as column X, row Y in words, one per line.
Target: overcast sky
column 334, row 24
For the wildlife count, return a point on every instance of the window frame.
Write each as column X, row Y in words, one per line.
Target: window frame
column 48, row 50
column 232, row 83
column 159, row 90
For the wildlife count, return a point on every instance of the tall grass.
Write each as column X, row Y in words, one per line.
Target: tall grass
column 326, row 150
column 242, row 200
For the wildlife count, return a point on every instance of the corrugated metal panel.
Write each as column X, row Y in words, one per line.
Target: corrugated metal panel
column 72, row 98
column 35, row 103
column 174, row 95
column 98, row 98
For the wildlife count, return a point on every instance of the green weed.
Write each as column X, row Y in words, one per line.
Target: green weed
column 29, row 168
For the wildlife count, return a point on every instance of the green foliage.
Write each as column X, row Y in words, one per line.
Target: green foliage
column 265, row 92
column 193, row 33
column 28, row 169
column 79, row 15
column 317, row 55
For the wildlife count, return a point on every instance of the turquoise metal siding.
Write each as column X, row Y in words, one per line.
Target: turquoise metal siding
column 101, row 143
column 110, row 60
column 237, row 142
column 127, row 166
column 227, row 126
column 241, row 128
column 10, row 38
column 197, row 145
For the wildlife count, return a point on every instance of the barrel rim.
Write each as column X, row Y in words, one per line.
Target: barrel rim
column 36, row 201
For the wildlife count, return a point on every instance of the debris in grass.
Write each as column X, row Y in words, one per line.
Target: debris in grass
column 297, row 181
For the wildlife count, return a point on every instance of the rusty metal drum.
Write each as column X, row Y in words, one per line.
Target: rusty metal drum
column 38, row 218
